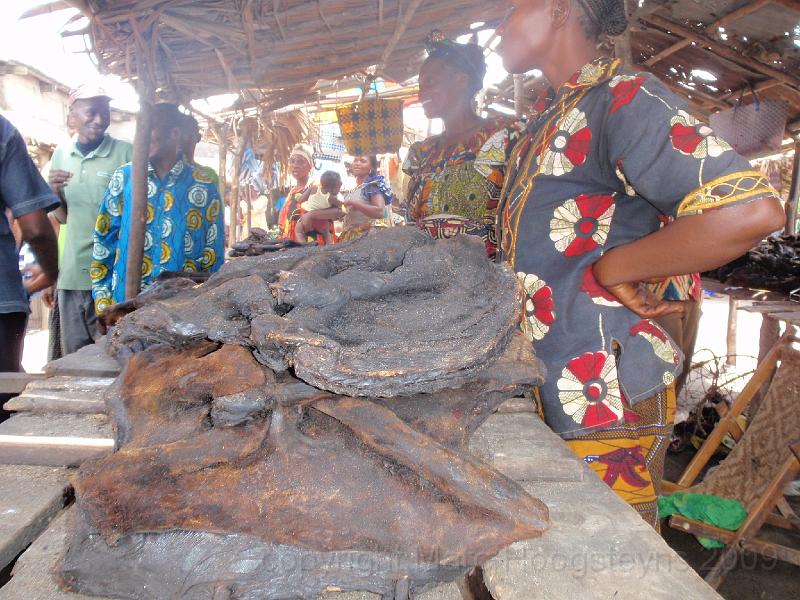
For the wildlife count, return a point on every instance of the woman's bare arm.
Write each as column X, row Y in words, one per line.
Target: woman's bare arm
column 692, row 243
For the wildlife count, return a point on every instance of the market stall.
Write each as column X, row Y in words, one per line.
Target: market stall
column 270, row 54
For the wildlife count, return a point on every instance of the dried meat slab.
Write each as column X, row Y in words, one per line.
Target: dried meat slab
column 235, row 481
column 393, row 313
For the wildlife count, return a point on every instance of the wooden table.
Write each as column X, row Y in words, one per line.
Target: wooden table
column 597, row 546
column 740, row 298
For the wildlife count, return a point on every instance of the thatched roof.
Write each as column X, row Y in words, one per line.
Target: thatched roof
column 198, row 48
column 740, row 42
column 281, row 51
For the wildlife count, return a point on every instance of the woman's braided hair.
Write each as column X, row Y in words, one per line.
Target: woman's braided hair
column 607, row 16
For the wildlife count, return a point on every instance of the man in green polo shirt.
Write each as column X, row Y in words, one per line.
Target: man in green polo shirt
column 79, row 174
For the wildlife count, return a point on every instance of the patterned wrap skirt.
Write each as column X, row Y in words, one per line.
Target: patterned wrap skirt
column 629, row 457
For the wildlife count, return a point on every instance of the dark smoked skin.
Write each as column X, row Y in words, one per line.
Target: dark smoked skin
column 394, row 313
column 212, row 443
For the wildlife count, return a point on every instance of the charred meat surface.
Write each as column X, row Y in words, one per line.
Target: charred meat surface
column 301, row 421
column 394, row 313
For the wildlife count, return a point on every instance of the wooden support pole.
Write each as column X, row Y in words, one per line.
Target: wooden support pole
column 237, row 171
column 730, row 338
column 249, row 198
column 221, row 133
column 794, row 192
column 722, row 51
column 141, row 152
column 743, row 11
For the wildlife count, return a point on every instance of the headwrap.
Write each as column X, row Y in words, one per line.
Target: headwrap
column 467, row 58
column 304, row 151
column 608, row 15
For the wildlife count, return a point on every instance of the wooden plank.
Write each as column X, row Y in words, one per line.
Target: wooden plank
column 596, row 547
column 53, row 451
column 522, row 447
column 29, row 498
column 62, row 394
column 58, row 440
column 770, row 307
column 55, row 403
column 741, row 293
column 32, row 577
column 14, row 383
column 89, row 361
column 70, row 384
column 789, row 317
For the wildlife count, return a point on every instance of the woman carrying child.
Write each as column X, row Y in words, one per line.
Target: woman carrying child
column 317, row 219
column 301, row 163
column 367, row 202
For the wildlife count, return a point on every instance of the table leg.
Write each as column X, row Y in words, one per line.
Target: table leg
column 730, row 359
column 770, row 331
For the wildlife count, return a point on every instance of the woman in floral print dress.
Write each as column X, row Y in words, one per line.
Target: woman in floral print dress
column 586, row 184
column 445, row 194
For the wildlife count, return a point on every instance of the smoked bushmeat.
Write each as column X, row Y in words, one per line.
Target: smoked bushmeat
column 242, row 471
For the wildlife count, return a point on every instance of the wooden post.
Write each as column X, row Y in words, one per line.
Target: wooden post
column 141, row 152
column 237, row 171
column 249, row 197
column 794, row 191
column 730, row 338
column 221, row 133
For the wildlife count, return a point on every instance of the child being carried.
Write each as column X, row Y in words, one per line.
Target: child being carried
column 330, row 184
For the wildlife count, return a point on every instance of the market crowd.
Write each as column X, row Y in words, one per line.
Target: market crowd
column 81, row 248
column 606, row 202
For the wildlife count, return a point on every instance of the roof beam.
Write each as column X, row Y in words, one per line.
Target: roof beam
column 399, row 30
column 740, row 12
column 747, row 90
column 791, row 4
column 247, row 25
column 723, row 51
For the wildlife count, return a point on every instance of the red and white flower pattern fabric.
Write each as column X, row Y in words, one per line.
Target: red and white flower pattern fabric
column 692, row 138
column 582, row 224
column 539, row 306
column 589, row 390
column 608, row 155
column 623, row 90
column 569, row 144
column 597, row 292
column 658, row 339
